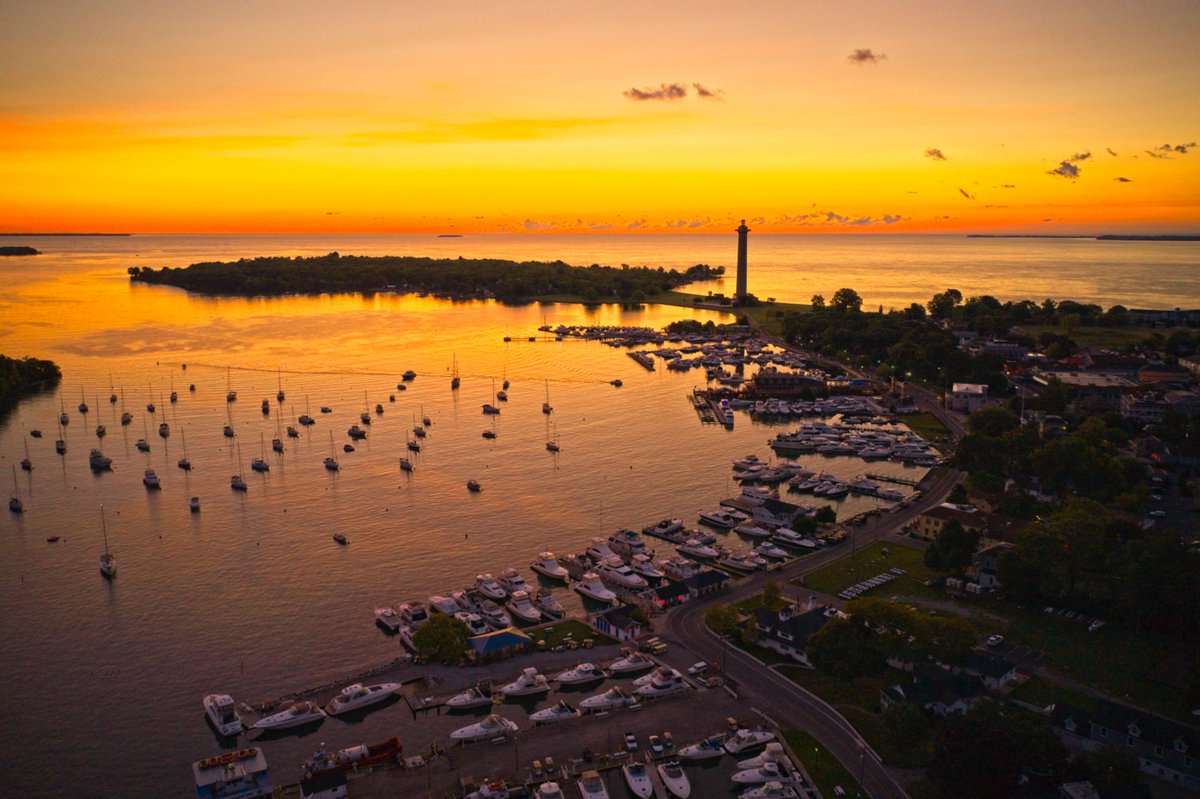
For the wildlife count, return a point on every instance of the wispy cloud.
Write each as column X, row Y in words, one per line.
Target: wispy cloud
column 1123, row 180
column 641, row 223
column 865, row 55
column 1007, row 186
column 834, row 219
column 665, row 91
column 934, row 154
column 1110, row 151
column 964, row 193
column 1167, row 150
column 1080, row 156
column 1068, row 168
column 533, row 224
column 707, row 93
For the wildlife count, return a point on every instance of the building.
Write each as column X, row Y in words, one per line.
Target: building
column 986, row 563
column 1164, row 373
column 618, row 623
column 743, row 233
column 993, row 671
column 966, row 397
column 787, row 631
column 669, row 594
column 1009, row 350
column 777, row 513
column 935, row 691
column 709, row 581
column 1145, row 407
column 770, row 382
column 1089, row 392
column 1164, row 748
column 930, row 523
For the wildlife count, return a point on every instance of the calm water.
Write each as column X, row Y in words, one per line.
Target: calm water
column 250, row 596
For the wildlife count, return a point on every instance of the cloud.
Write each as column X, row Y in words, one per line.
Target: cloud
column 964, row 193
column 934, row 154
column 1007, row 186
column 1110, row 152
column 332, row 213
column 1065, row 170
column 705, row 92
column 1047, row 219
column 532, row 224
column 1123, row 180
column 865, row 55
column 641, row 223
column 1080, row 156
column 665, row 91
column 830, row 216
column 1183, row 148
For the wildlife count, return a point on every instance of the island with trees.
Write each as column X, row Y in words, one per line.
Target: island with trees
column 462, row 278
column 17, row 250
column 19, row 377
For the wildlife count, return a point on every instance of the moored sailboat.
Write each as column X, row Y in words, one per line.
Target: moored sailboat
column 108, row 561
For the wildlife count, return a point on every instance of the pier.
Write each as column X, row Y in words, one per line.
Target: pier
column 704, row 407
column 887, row 478
column 642, row 358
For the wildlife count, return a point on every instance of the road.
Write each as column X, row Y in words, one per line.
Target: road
column 778, row 696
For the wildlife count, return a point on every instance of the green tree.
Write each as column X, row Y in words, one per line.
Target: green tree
column 818, row 302
column 953, row 548
column 993, row 422
column 845, row 648
column 942, row 305
column 1113, row 767
column 442, row 639
column 846, row 300
column 721, row 619
column 907, row 726
column 825, row 515
column 771, row 594
column 974, row 756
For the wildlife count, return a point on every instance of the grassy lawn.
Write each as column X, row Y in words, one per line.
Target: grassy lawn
column 1104, row 337
column 928, row 427
column 870, row 727
column 862, row 692
column 555, row 634
column 1041, row 693
column 823, row 767
column 924, row 789
column 868, row 562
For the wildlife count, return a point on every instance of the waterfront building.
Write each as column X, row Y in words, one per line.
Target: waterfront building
column 788, row 631
column 966, row 397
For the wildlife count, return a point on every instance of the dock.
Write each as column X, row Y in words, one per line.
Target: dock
column 704, row 407
column 887, row 478
column 642, row 358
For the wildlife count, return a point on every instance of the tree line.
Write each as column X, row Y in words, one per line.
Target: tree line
column 24, row 375
column 461, row 277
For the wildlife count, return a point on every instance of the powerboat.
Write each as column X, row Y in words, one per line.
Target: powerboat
column 475, row 623
column 632, row 662
column 678, row 567
column 608, row 700
column 549, row 790
column 789, row 537
column 548, row 605
column 222, row 714
column 627, row 543
column 767, row 772
column 663, row 682
column 667, row 527
column 472, row 697
column 520, row 607
column 638, row 780
column 600, row 551
column 294, row 715
column 493, row 615
column 643, row 565
column 674, row 779
column 771, row 790
column 693, row 547
column 769, row 550
column 490, row 727
column 486, row 585
column 591, row 786
column 413, row 614
column 99, row 461
column 723, row 518
column 560, row 712
column 388, row 619
column 492, row 789
column 621, row 574
column 530, row 682
column 745, row 740
column 752, row 531
column 356, row 696
column 710, row 747
column 512, row 582
column 772, row 754
column 352, row 758
column 548, row 566
column 445, row 604
column 582, row 673
column 591, row 587
column 741, row 562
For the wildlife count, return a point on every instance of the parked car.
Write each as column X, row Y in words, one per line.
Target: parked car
column 697, row 668
column 631, row 742
column 995, row 640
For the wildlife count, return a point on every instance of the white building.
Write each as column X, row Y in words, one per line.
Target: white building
column 967, row 397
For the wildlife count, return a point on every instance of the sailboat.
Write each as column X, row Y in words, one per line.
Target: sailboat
column 14, row 502
column 184, row 463
column 126, row 416
column 277, row 441
column 174, row 393
column 83, row 406
column 236, row 482
column 279, row 394
column 60, row 444
column 230, row 394
column 101, row 430
column 546, row 409
column 454, row 379
column 488, row 408
column 63, row 419
column 331, row 462
column 150, row 405
column 26, row 464
column 418, row 430
column 228, row 431
column 306, row 420
column 425, row 420
column 365, row 416
column 505, row 383
column 112, row 394
column 164, row 429
column 260, row 464
column 142, row 444
column 552, row 444
column 292, row 431
column 108, row 561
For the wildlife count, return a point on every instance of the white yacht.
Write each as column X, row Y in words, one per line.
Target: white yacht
column 512, row 582
column 632, row 662
column 560, row 712
column 600, row 551
column 767, row 772
column 486, row 585
column 356, row 696
column 771, row 790
column 789, row 537
column 293, row 715
column 548, row 605
column 694, row 548
column 667, row 527
column 772, row 754
column 472, row 697
column 743, row 562
column 752, row 531
column 744, row 740
column 643, row 565
column 638, row 780
column 493, row 615
column 222, row 714
column 582, row 673
column 388, row 619
column 627, row 543
column 591, row 587
column 549, row 790
column 548, row 566
column 727, row 519
column 413, row 614
column 520, row 607
column 530, row 682
column 769, row 550
column 608, row 700
column 663, row 682
column 475, row 623
column 619, row 573
column 710, row 747
column 678, row 567
column 675, row 779
column 591, row 786
column 448, row 605
column 490, row 727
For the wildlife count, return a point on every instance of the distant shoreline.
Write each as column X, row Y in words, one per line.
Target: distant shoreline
column 31, row 235
column 11, row 251
column 1105, row 237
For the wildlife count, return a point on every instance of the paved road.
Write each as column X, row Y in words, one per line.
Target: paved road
column 778, row 696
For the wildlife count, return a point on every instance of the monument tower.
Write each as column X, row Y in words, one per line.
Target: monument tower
column 741, row 266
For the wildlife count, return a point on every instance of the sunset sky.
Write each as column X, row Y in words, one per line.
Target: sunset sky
column 1013, row 116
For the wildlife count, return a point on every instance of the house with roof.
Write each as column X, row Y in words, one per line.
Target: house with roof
column 985, row 563
column 787, row 631
column 668, row 595
column 498, row 644
column 777, row 513
column 935, row 691
column 930, row 523
column 618, row 623
column 704, row 583
column 966, row 397
column 992, row 670
column 1164, row 748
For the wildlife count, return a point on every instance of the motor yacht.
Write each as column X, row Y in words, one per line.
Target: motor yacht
column 674, row 779
column 522, row 608
column 486, row 585
column 150, row 480
column 414, row 614
column 445, row 604
column 789, row 537
column 767, row 772
column 492, row 789
column 663, row 682
column 744, row 740
column 473, row 485
column 608, row 700
column 772, row 754
column 493, row 615
column 677, row 567
column 294, row 715
column 628, row 543
column 638, row 780
column 222, row 714
column 600, row 551
column 475, row 623
column 630, row 663
column 512, row 581
column 548, row 566
column 768, row 550
column 491, row 727
column 643, row 565
column 560, row 712
column 617, row 572
column 582, row 673
column 548, row 605
column 388, row 619
column 694, row 548
column 549, row 790
column 529, row 683
column 771, row 790
column 667, row 527
column 99, row 461
column 752, row 531
column 710, row 747
column 591, row 786
column 591, row 587
column 472, row 697
column 727, row 519
column 743, row 562
column 356, row 696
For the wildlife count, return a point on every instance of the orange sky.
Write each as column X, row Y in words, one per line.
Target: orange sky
column 531, row 116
